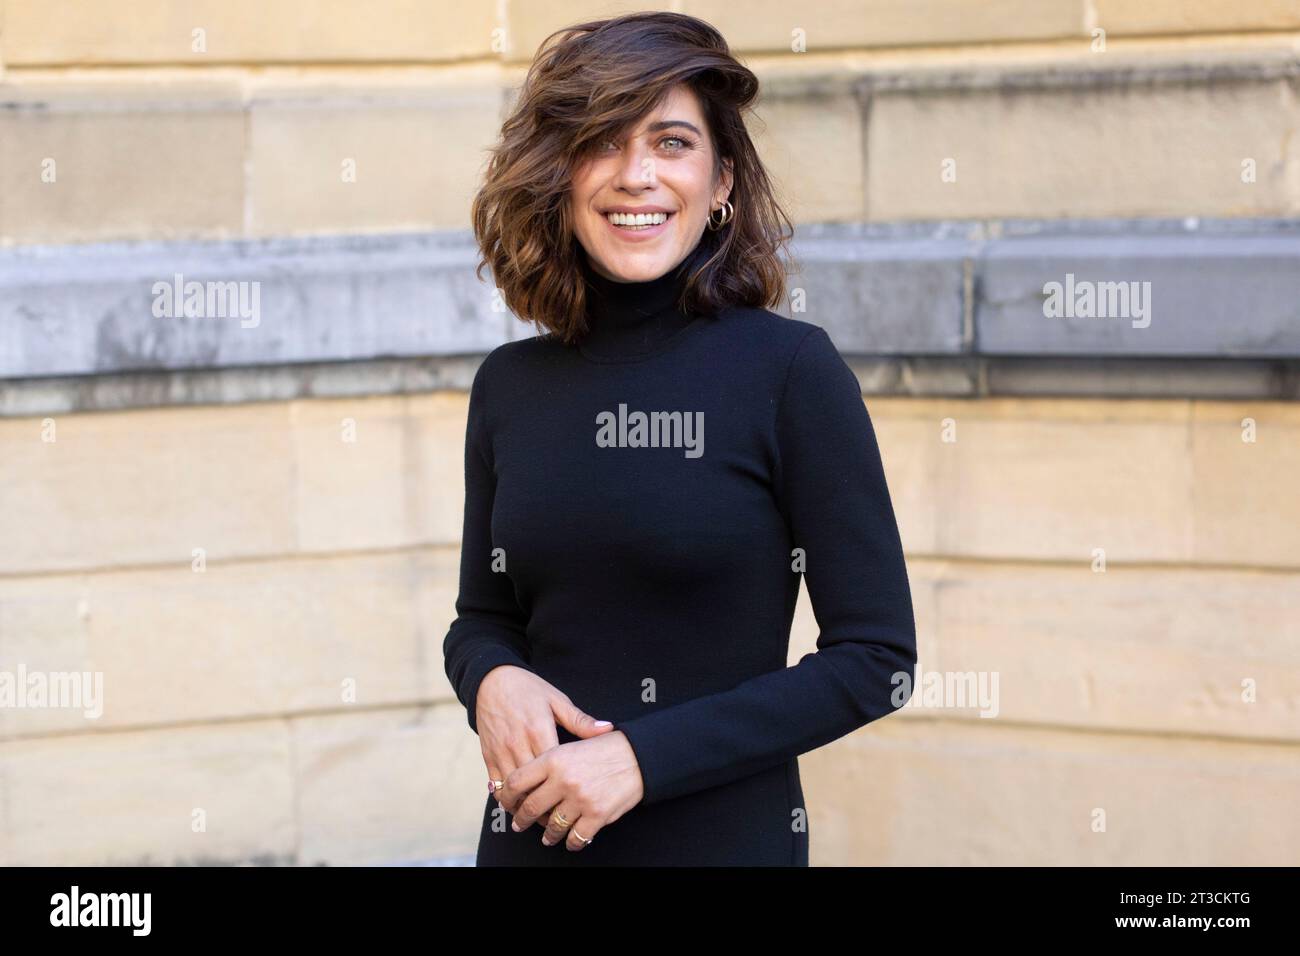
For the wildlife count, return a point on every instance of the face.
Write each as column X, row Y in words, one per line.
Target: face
column 662, row 168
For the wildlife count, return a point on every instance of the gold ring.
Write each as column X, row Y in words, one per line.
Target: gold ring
column 558, row 818
column 495, row 785
column 584, row 840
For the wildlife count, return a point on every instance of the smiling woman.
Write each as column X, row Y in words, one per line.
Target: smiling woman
column 623, row 622
column 666, row 156
column 635, row 116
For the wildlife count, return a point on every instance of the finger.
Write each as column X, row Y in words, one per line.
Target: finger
column 585, row 826
column 541, row 741
column 499, row 765
column 577, row 721
column 510, row 796
column 522, row 781
column 537, row 805
column 558, row 822
column 497, row 772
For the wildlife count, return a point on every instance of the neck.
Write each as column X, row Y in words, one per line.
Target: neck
column 625, row 319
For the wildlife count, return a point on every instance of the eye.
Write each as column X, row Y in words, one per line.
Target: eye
column 683, row 142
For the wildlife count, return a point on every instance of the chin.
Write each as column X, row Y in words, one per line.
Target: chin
column 636, row 268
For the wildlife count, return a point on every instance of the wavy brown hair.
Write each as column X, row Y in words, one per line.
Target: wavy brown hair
column 588, row 83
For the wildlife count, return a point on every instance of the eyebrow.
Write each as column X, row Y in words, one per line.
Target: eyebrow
column 668, row 124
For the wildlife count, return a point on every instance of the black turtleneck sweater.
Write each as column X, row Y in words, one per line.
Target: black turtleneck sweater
column 657, row 492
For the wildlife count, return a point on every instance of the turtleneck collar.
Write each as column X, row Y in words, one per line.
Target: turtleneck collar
column 629, row 319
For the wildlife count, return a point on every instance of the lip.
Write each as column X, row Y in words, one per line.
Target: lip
column 635, row 209
column 640, row 235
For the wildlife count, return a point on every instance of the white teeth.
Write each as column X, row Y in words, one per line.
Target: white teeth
column 637, row 220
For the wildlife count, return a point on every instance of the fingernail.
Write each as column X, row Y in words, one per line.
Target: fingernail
column 603, row 723
column 514, row 826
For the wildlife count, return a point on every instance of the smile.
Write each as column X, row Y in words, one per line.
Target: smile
column 638, row 225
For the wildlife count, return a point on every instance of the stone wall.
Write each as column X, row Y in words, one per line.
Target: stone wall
column 251, row 531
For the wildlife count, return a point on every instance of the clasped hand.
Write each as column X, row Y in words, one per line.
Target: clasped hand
column 591, row 782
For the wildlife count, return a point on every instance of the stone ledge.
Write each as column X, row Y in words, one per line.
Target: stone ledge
column 942, row 308
column 917, row 377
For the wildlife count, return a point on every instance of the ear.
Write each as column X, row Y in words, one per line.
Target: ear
column 727, row 180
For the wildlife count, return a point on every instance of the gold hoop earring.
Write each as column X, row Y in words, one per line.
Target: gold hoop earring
column 727, row 211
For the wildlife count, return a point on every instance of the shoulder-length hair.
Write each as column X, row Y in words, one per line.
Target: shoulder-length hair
column 587, row 84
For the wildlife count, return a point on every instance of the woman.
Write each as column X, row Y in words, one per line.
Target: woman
column 647, row 479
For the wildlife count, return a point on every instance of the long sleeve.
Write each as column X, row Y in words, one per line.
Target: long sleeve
column 490, row 628
column 830, row 485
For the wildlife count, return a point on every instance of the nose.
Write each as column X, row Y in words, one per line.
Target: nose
column 636, row 168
